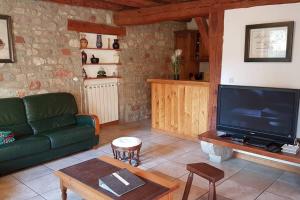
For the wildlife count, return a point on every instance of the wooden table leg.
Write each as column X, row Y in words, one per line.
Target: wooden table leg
column 63, row 191
column 212, row 191
column 188, row 186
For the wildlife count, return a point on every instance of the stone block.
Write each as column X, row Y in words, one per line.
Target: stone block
column 35, row 85
column 19, row 40
column 216, row 153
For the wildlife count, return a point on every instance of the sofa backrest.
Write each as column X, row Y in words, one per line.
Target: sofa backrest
column 13, row 117
column 50, row 111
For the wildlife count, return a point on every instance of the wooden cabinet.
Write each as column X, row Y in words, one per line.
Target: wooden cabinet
column 192, row 52
column 180, row 108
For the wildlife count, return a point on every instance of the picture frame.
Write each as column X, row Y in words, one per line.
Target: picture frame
column 6, row 40
column 269, row 42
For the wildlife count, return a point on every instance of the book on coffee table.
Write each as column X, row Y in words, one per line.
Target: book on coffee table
column 120, row 182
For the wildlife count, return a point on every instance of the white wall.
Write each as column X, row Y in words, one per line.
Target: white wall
column 237, row 72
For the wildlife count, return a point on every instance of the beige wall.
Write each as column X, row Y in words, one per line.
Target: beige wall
column 48, row 55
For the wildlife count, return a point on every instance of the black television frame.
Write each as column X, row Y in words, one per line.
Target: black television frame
column 256, row 133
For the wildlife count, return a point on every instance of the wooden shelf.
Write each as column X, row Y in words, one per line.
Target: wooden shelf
column 107, row 77
column 103, row 64
column 211, row 137
column 101, row 49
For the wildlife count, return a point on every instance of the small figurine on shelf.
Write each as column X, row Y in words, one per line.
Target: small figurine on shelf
column 84, row 74
column 108, row 43
column 99, row 41
column 83, row 42
column 101, row 73
column 83, row 57
column 116, row 44
column 94, row 60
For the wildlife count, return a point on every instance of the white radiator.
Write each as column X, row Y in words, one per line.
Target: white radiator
column 101, row 99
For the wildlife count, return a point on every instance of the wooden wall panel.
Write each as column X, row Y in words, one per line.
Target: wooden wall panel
column 181, row 110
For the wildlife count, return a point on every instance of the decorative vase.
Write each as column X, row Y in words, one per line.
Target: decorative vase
column 83, row 57
column 83, row 42
column 84, row 74
column 116, row 44
column 94, row 60
column 176, row 76
column 99, row 43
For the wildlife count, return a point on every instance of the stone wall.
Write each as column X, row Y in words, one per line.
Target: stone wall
column 48, row 55
column 146, row 54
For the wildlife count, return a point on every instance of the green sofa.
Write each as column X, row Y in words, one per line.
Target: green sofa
column 46, row 127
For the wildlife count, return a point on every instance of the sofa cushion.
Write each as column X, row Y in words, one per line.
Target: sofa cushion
column 24, row 147
column 13, row 117
column 69, row 135
column 50, row 111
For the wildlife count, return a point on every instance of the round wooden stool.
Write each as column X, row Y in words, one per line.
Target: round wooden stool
column 207, row 172
column 127, row 149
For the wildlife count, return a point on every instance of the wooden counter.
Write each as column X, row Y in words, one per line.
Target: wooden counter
column 179, row 107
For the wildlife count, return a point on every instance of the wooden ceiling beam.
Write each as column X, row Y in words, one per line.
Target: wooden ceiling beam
column 184, row 10
column 91, row 4
column 203, row 30
column 134, row 3
column 166, row 12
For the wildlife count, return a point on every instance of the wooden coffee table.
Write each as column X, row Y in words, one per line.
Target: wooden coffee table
column 83, row 179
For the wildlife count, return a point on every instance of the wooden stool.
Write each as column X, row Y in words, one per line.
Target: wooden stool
column 207, row 172
column 127, row 149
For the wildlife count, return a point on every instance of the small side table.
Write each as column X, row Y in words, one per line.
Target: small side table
column 127, row 149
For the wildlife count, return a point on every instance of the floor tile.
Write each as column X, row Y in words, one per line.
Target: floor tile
column 186, row 146
column 191, row 157
column 219, row 197
column 264, row 170
column 195, row 192
column 90, row 154
column 197, row 181
column 235, row 191
column 285, row 189
column 290, row 178
column 17, row 192
column 36, row 198
column 150, row 160
column 62, row 163
column 164, row 139
column 44, row 184
column 252, row 179
column 56, row 195
column 270, row 196
column 32, row 173
column 7, row 181
column 172, row 169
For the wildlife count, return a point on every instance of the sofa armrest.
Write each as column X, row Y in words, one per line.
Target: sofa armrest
column 92, row 120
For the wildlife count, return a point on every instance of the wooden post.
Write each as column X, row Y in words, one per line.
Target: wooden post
column 216, row 31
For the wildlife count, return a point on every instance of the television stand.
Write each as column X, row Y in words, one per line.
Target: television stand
column 258, row 142
column 211, row 137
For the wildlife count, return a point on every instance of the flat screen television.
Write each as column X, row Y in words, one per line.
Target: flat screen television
column 259, row 112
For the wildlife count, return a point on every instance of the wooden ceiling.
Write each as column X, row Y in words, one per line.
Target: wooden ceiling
column 118, row 5
column 135, row 12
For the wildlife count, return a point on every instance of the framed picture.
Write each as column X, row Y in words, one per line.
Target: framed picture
column 6, row 40
column 272, row 42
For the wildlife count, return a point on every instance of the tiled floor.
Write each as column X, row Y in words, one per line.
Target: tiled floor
column 162, row 155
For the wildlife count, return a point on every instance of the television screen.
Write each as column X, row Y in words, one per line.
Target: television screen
column 265, row 112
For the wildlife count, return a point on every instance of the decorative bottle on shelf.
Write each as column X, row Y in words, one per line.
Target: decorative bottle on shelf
column 99, row 43
column 116, row 44
column 84, row 74
column 83, row 57
column 83, row 42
